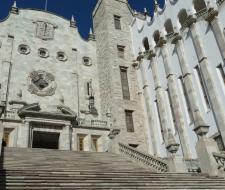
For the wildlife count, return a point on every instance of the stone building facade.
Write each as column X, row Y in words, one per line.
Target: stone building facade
column 61, row 91
column 180, row 62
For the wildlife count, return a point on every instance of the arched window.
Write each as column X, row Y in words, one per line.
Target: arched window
column 145, row 43
column 199, row 5
column 169, row 26
column 156, row 36
column 182, row 16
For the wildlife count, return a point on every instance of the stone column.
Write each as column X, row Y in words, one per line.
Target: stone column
column 188, row 83
column 211, row 85
column 23, row 138
column 213, row 20
column 65, row 138
column 161, row 100
column 176, row 104
column 150, row 112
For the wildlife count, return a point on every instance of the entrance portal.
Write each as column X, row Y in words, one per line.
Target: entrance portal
column 48, row 140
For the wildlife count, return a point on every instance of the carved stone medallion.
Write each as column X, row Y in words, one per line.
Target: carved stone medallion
column 41, row 83
column 45, row 30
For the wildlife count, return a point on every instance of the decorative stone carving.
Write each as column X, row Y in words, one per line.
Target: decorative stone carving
column 43, row 53
column 24, row 49
column 87, row 61
column 45, row 30
column 41, row 83
column 61, row 56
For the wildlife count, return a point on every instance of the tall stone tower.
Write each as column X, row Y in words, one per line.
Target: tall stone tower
column 118, row 80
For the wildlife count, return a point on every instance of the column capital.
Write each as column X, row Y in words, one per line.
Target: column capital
column 176, row 37
column 149, row 54
column 161, row 42
column 212, row 11
column 191, row 19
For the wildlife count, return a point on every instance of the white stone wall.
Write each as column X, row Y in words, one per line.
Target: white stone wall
column 107, row 38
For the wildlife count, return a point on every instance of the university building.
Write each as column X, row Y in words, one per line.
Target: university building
column 150, row 89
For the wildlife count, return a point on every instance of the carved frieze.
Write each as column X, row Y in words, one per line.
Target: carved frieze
column 41, row 83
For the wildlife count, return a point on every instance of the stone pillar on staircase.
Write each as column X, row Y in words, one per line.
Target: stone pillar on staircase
column 149, row 106
column 160, row 97
column 114, row 143
column 175, row 101
column 188, row 81
column 211, row 86
column 176, row 163
column 65, row 138
column 205, row 148
column 23, row 138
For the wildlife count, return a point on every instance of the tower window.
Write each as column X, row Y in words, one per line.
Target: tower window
column 124, row 82
column 121, row 51
column 129, row 120
column 117, row 22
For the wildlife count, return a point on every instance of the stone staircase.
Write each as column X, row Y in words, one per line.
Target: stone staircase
column 53, row 169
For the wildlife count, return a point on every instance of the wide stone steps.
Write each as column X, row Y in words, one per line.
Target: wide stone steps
column 51, row 169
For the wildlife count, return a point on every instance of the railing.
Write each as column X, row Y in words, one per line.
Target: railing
column 145, row 159
column 92, row 123
column 220, row 159
column 201, row 13
column 219, row 2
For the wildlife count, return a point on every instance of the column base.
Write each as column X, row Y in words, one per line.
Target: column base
column 205, row 148
column 176, row 164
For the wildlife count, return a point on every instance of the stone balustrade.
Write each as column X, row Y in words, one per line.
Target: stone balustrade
column 92, row 123
column 145, row 159
column 220, row 159
column 10, row 114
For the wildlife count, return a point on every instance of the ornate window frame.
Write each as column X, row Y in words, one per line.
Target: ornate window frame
column 61, row 56
column 23, row 49
column 87, row 61
column 43, row 53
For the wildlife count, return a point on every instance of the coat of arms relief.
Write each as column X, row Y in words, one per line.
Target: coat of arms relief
column 45, row 30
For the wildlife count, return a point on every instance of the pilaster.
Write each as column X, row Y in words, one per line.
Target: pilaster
column 23, row 138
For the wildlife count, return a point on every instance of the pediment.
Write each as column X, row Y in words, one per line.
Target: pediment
column 30, row 107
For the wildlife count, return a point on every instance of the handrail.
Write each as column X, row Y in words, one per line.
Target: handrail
column 150, row 161
column 220, row 159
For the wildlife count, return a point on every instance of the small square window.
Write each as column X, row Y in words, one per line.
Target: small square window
column 121, row 51
column 117, row 22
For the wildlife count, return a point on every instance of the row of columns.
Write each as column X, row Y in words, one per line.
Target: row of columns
column 215, row 99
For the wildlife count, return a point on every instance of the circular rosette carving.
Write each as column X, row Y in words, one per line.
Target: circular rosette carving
column 41, row 83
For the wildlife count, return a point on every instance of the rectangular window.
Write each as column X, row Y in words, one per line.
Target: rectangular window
column 129, row 120
column 121, row 51
column 202, row 85
column 124, row 82
column 117, row 22
column 219, row 142
column 187, row 103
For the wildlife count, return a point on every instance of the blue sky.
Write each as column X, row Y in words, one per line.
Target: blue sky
column 81, row 9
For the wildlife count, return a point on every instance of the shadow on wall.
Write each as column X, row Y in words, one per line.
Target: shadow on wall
column 2, row 170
